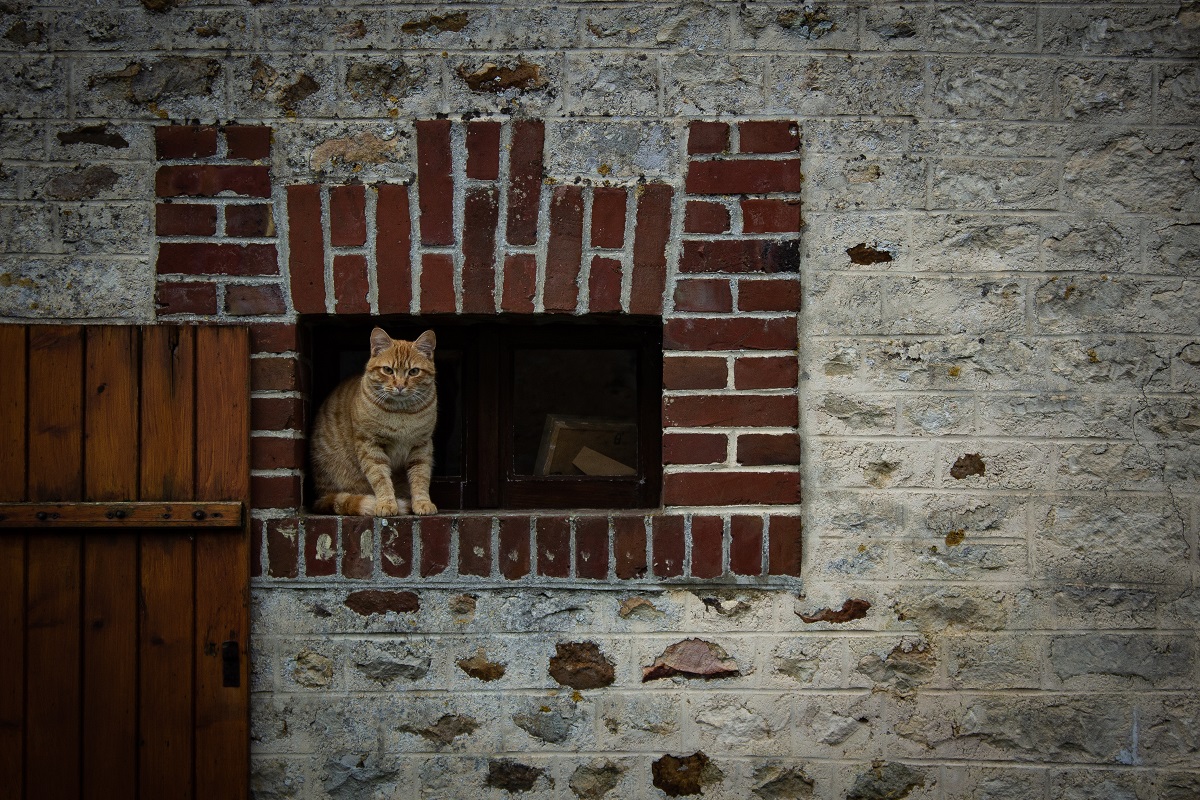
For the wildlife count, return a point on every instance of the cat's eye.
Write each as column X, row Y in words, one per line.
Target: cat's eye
column 415, row 371
column 387, row 370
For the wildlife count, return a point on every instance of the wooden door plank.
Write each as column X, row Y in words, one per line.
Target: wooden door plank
column 165, row 666
column 167, row 610
column 55, row 412
column 12, row 412
column 110, row 568
column 52, row 758
column 12, row 661
column 222, row 562
column 12, row 558
column 111, row 398
column 167, row 408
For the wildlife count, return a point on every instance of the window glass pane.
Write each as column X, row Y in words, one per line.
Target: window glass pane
column 574, row 412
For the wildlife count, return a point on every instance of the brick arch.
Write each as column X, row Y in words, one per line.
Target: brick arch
column 482, row 230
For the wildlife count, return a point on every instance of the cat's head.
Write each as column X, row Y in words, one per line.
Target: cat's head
column 400, row 370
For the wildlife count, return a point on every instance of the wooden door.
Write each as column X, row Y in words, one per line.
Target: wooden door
column 124, row 562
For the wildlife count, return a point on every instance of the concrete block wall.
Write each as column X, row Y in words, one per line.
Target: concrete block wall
column 995, row 380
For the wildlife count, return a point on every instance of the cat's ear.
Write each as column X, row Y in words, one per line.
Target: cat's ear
column 425, row 344
column 380, row 341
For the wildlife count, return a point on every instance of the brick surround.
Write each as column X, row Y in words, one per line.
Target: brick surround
column 483, row 230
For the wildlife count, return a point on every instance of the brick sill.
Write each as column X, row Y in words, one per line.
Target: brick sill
column 622, row 546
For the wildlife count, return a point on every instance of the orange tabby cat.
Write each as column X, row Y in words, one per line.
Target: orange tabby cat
column 375, row 431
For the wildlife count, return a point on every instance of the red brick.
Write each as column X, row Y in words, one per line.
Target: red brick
column 276, row 413
column 260, row 300
column 280, row 374
column 306, row 260
column 703, row 295
column 209, row 180
column 745, row 545
column 396, row 548
column 248, row 141
column 435, row 545
column 520, row 283
column 358, row 557
column 481, row 214
column 708, row 547
column 525, row 181
column 708, row 137
column 604, row 285
column 393, row 243
column 730, row 411
column 564, row 251
column 257, row 534
column 249, row 220
column 435, row 185
column 437, row 284
column 775, row 136
column 695, row 372
column 741, row 255
column 514, row 547
column 784, row 545
column 771, row 216
column 320, row 546
column 768, row 449
column 283, row 548
column 190, row 258
column 185, row 219
column 769, row 295
column 272, row 452
column 271, row 337
column 731, row 333
column 350, row 285
column 731, row 489
column 771, row 372
column 553, row 547
column 667, row 546
column 184, row 141
column 608, row 217
column 694, row 448
column 702, row 216
column 185, row 298
column 475, row 546
column 742, row 176
column 348, row 216
column 591, row 547
column 652, row 228
column 278, row 491
column 483, row 149
column 629, row 546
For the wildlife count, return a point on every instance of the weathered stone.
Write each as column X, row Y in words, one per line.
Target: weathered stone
column 312, row 669
column 436, row 22
column 637, row 607
column 523, row 77
column 685, row 775
column 448, row 728
column 379, row 80
column 692, row 658
column 1155, row 660
column 93, row 134
column 904, row 669
column 353, row 151
column 381, row 601
column 782, row 783
column 966, row 466
column 513, row 776
column 852, row 609
column 291, row 95
column 581, row 665
column 593, row 781
column 82, row 184
column 463, row 604
column 152, row 82
column 386, row 662
column 550, row 724
column 886, row 781
column 479, row 667
column 353, row 775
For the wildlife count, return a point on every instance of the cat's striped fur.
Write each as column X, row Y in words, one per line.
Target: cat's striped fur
column 372, row 444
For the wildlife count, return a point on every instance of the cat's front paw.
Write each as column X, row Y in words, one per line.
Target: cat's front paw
column 387, row 508
column 423, row 508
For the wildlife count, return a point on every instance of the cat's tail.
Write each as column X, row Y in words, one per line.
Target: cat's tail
column 346, row 503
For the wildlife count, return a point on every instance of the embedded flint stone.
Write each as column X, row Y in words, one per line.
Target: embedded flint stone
column 684, row 775
column 479, row 667
column 692, row 658
column 581, row 665
column 513, row 776
column 851, row 610
column 886, row 781
column 446, row 729
column 378, row 601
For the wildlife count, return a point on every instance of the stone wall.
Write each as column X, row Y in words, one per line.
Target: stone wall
column 996, row 385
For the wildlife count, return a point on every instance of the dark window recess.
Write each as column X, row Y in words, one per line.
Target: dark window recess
column 533, row 412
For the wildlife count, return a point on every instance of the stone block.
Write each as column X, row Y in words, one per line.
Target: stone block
column 828, row 84
column 760, row 724
column 962, row 183
column 852, row 463
column 972, row 28
column 1105, row 91
column 536, row 82
column 992, row 662
column 691, row 26
column 1130, row 171
column 927, row 305
column 780, row 26
column 694, row 85
column 865, row 183
column 84, row 287
column 625, row 149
